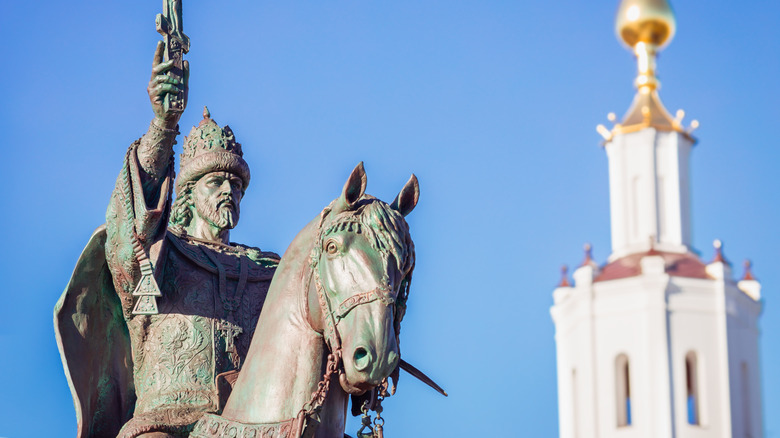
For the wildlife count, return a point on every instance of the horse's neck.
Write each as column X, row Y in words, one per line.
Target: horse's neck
column 286, row 358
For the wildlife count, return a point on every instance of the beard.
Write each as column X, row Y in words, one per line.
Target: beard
column 220, row 213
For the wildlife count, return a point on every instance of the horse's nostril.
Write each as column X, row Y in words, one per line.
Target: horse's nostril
column 362, row 358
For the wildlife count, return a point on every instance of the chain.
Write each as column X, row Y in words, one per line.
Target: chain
column 314, row 405
column 379, row 422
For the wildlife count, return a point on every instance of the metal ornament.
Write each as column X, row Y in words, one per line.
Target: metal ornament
column 231, row 331
column 147, row 291
column 376, row 426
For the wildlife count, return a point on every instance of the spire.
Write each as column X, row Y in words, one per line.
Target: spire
column 588, row 260
column 719, row 257
column 748, row 271
column 749, row 284
column 645, row 27
column 564, row 277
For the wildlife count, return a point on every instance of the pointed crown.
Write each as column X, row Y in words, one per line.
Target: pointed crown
column 210, row 148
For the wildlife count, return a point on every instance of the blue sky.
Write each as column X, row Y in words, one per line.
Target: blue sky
column 492, row 104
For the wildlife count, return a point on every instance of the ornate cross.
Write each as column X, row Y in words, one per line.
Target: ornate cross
column 231, row 331
column 170, row 26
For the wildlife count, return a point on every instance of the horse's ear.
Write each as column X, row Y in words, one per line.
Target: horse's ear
column 407, row 199
column 353, row 189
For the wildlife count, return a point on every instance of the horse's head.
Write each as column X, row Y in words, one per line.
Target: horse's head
column 363, row 260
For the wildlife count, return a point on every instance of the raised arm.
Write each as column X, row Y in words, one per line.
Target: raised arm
column 156, row 147
column 137, row 215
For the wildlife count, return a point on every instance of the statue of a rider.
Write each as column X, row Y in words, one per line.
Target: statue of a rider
column 161, row 307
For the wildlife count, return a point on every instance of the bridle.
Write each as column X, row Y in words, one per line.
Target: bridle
column 380, row 293
column 333, row 315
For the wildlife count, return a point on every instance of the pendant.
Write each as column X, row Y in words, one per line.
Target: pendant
column 147, row 291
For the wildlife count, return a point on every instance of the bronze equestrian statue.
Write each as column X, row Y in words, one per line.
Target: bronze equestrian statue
column 161, row 320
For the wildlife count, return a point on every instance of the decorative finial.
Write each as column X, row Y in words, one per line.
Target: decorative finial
column 719, row 257
column 646, row 27
column 564, row 277
column 645, row 21
column 206, row 113
column 694, row 126
column 678, row 118
column 588, row 248
column 603, row 131
column 748, row 271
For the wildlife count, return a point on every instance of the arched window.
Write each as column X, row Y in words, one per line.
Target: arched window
column 622, row 391
column 692, row 387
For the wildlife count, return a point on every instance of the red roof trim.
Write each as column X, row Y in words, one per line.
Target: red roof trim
column 685, row 265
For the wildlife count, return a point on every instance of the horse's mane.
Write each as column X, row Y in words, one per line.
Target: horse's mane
column 387, row 229
column 388, row 233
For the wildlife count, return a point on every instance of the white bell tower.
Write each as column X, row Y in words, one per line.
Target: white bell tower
column 654, row 342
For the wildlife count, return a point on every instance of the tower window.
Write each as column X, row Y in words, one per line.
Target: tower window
column 692, row 388
column 622, row 391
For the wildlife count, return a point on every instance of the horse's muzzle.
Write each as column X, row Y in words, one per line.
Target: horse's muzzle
column 364, row 369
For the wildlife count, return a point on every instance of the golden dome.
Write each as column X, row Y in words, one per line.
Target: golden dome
column 646, row 26
column 647, row 21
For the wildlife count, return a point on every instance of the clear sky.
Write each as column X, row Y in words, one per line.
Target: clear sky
column 492, row 104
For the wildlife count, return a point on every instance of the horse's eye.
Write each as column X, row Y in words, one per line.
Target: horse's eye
column 332, row 248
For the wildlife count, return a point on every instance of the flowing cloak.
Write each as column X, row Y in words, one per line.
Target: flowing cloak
column 94, row 344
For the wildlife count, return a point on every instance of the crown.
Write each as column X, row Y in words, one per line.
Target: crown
column 210, row 148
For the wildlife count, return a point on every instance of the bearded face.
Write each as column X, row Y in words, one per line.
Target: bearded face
column 217, row 197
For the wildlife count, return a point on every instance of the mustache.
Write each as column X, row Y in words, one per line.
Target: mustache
column 226, row 201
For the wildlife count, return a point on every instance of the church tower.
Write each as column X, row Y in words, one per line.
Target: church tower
column 654, row 342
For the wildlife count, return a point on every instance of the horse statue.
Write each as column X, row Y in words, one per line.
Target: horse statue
column 333, row 312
